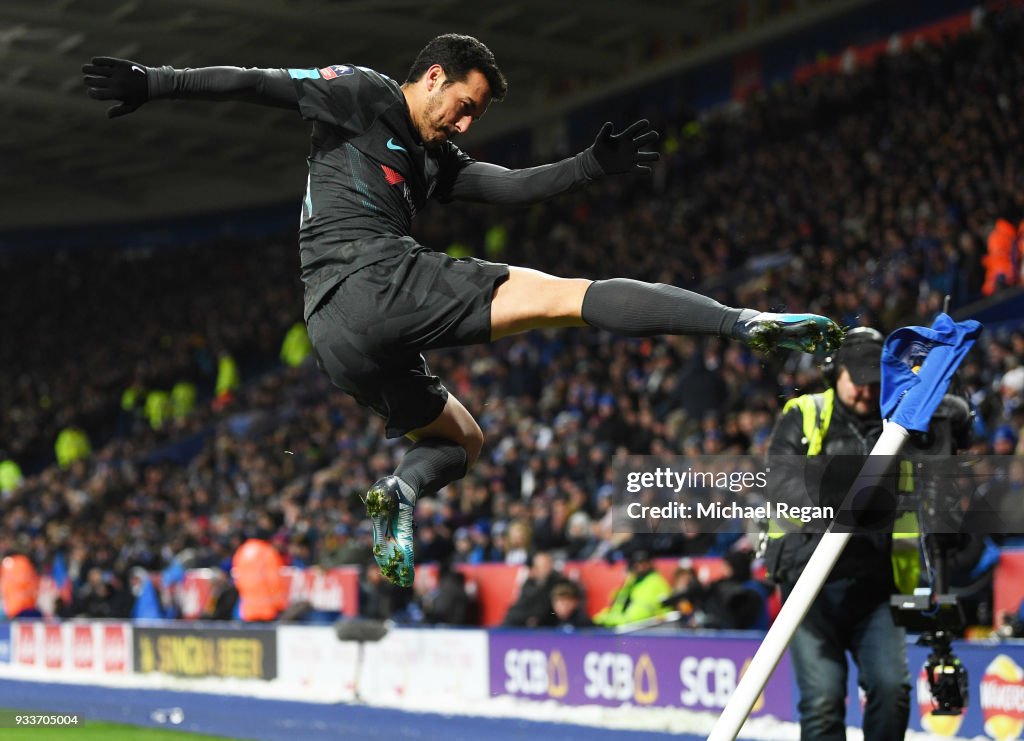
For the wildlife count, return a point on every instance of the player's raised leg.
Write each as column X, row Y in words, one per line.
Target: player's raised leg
column 444, row 450
column 530, row 299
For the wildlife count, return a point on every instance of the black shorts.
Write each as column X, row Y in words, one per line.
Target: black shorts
column 369, row 331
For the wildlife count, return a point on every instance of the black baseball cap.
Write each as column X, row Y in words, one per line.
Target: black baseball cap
column 861, row 355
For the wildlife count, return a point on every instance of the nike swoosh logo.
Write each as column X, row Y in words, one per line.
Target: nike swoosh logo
column 396, row 147
column 137, row 68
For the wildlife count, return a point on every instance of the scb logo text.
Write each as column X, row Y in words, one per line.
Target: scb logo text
column 613, row 676
column 707, row 682
column 533, row 672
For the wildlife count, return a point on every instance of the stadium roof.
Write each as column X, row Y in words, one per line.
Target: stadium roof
column 64, row 162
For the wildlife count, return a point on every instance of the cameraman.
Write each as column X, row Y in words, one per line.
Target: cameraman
column 852, row 611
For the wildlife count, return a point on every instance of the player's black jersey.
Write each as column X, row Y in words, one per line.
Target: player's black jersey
column 368, row 172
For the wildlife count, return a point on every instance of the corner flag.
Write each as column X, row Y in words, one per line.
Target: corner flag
column 917, row 365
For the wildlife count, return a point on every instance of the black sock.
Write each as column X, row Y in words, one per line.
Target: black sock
column 636, row 309
column 431, row 464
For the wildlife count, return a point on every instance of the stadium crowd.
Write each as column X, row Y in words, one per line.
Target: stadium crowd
column 867, row 196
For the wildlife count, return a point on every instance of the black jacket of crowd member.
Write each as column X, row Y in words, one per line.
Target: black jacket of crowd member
column 533, row 607
column 449, row 604
column 850, row 437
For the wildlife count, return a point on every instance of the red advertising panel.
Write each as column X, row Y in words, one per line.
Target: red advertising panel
column 600, row 579
column 73, row 646
column 49, row 592
column 25, row 644
column 115, row 649
column 53, row 646
column 82, row 650
column 194, row 593
column 1008, row 587
column 497, row 587
column 326, row 590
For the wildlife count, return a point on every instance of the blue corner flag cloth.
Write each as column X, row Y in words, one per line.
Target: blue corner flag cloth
column 917, row 365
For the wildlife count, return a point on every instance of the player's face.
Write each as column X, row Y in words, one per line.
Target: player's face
column 861, row 399
column 452, row 107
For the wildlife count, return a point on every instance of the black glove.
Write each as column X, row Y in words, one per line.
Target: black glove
column 622, row 152
column 117, row 79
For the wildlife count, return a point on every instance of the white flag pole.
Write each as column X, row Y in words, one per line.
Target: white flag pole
column 804, row 592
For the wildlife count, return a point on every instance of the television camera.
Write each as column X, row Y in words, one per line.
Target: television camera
column 936, row 612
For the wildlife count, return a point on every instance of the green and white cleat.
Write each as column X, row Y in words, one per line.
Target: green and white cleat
column 392, row 516
column 766, row 332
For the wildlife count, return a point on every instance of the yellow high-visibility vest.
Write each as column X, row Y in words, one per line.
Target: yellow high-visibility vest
column 816, row 411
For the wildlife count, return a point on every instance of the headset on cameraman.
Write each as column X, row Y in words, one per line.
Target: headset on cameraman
column 854, row 337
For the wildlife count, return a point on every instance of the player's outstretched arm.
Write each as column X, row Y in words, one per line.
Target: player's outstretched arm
column 109, row 78
column 610, row 154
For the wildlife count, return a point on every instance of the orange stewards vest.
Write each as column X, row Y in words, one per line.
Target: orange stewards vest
column 256, row 569
column 19, row 585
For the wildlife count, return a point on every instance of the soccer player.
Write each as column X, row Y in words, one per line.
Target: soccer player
column 375, row 299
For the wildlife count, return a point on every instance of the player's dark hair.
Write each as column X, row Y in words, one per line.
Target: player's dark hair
column 459, row 55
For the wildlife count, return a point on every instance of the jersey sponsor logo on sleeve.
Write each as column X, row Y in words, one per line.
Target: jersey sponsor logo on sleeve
column 335, row 70
column 395, row 147
column 304, row 74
